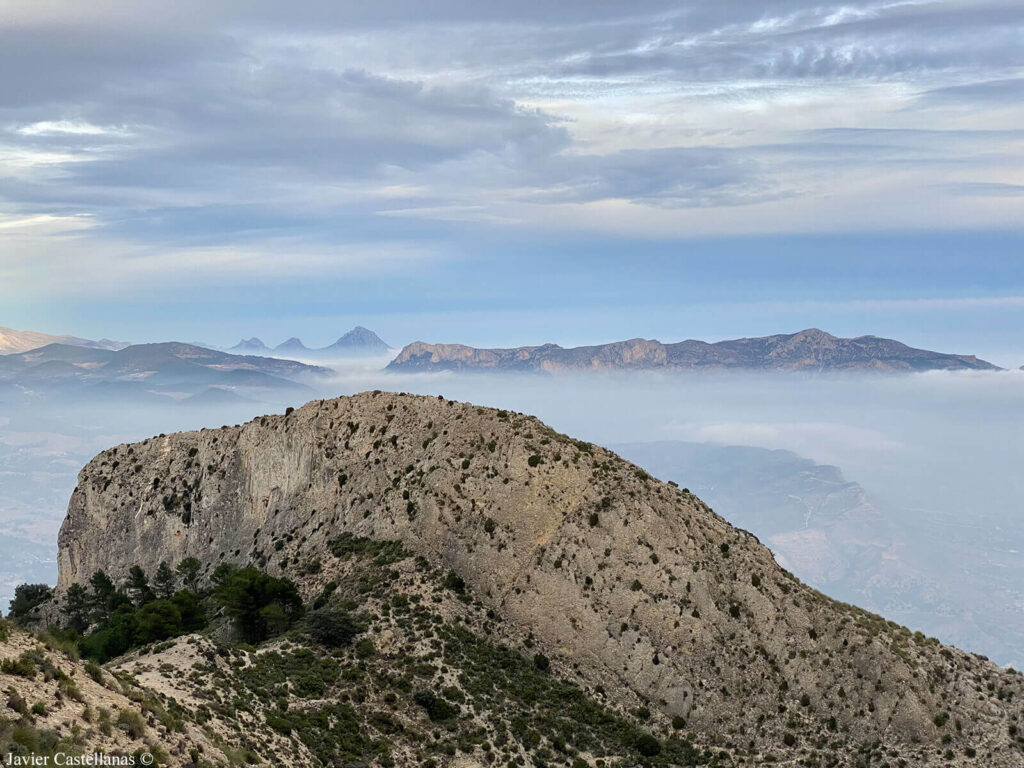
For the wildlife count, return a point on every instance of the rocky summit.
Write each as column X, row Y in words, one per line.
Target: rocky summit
column 525, row 599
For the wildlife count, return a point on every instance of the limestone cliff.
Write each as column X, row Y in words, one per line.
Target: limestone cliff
column 633, row 586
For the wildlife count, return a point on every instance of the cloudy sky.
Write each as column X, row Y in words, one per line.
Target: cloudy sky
column 514, row 172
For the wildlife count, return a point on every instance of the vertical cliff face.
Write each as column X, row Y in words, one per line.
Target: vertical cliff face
column 632, row 584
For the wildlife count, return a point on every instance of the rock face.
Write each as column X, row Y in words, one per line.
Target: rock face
column 634, row 585
column 809, row 350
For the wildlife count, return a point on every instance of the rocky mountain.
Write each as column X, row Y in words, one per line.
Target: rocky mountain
column 472, row 539
column 359, row 342
column 142, row 371
column 292, row 346
column 253, row 346
column 809, row 350
column 12, row 341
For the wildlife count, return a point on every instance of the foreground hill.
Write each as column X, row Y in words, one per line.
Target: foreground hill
column 810, row 350
column 650, row 607
column 61, row 705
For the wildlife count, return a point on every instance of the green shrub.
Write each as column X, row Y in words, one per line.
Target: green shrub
column 70, row 689
column 381, row 552
column 438, row 710
column 23, row 666
column 647, row 745
column 334, row 628
column 131, row 722
column 454, row 582
column 365, row 648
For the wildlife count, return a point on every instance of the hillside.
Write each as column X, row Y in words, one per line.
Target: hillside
column 914, row 566
column 636, row 591
column 810, row 350
column 61, row 705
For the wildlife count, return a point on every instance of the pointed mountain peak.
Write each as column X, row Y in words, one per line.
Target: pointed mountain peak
column 360, row 341
column 293, row 343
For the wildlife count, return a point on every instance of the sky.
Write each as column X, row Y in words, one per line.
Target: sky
column 510, row 173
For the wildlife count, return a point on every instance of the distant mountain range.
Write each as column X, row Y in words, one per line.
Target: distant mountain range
column 12, row 341
column 359, row 342
column 809, row 350
column 150, row 372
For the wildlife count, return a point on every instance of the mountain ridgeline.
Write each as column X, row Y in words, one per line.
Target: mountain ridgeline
column 359, row 342
column 809, row 350
column 637, row 596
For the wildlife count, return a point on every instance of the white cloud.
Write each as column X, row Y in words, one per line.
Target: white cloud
column 70, row 127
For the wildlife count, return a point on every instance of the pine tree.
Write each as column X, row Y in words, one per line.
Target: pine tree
column 103, row 592
column 164, row 582
column 27, row 597
column 138, row 586
column 76, row 607
column 189, row 570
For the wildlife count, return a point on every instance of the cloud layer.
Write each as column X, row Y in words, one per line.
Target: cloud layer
column 255, row 140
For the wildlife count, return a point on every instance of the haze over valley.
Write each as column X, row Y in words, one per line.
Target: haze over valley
column 847, row 476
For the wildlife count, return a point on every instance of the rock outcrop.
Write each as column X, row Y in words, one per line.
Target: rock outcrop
column 633, row 586
column 810, row 350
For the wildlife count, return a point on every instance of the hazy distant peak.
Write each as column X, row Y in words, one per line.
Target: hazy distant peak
column 250, row 345
column 293, row 344
column 358, row 341
column 12, row 341
column 361, row 337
